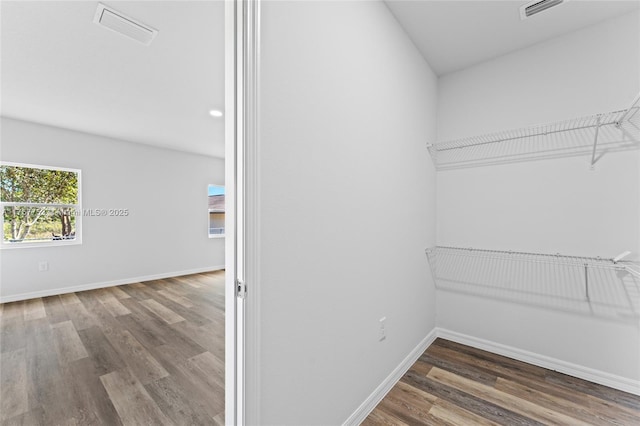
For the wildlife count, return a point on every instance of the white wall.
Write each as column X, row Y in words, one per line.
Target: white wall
column 346, row 208
column 165, row 191
column 548, row 206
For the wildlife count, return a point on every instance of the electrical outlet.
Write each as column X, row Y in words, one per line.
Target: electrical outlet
column 382, row 334
column 43, row 266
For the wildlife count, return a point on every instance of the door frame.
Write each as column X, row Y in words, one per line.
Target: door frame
column 242, row 42
column 234, row 315
column 242, row 61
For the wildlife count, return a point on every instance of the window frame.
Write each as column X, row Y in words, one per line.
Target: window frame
column 53, row 243
column 209, row 211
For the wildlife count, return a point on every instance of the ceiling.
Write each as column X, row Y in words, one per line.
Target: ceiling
column 453, row 35
column 61, row 69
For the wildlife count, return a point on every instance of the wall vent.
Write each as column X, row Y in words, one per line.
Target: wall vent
column 124, row 25
column 535, row 7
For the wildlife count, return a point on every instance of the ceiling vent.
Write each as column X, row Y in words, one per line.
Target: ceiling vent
column 124, row 25
column 535, row 7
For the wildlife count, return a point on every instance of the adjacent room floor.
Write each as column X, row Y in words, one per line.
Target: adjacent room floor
column 453, row 384
column 144, row 353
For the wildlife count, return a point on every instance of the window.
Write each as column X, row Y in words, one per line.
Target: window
column 40, row 205
column 216, row 211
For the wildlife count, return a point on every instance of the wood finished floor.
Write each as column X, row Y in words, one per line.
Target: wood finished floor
column 149, row 353
column 453, row 384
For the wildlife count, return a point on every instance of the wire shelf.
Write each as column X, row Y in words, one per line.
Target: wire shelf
column 590, row 285
column 591, row 135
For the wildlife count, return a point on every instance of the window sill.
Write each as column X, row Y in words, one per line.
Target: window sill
column 216, row 236
column 61, row 243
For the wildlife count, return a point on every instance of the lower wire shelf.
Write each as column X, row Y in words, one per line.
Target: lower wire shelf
column 591, row 285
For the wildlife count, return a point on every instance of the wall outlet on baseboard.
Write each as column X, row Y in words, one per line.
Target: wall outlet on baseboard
column 43, row 266
column 382, row 334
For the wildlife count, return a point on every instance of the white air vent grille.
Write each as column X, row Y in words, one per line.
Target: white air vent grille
column 124, row 25
column 535, row 7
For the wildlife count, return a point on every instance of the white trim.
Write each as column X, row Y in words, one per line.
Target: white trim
column 93, row 286
column 387, row 384
column 39, row 166
column 250, row 263
column 575, row 370
column 233, row 330
column 52, row 205
column 40, row 244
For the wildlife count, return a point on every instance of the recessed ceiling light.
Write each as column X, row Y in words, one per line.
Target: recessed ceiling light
column 215, row 113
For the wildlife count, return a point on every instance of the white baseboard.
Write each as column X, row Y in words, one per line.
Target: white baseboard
column 575, row 370
column 93, row 286
column 387, row 384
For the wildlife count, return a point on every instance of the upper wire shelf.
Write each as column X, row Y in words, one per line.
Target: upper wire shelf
column 591, row 135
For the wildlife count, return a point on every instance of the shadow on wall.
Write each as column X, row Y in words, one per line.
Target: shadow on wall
column 613, row 132
column 589, row 286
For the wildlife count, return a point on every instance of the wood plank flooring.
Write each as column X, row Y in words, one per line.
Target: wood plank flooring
column 454, row 384
column 148, row 353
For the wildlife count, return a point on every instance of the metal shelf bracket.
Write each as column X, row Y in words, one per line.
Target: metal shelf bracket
column 595, row 144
